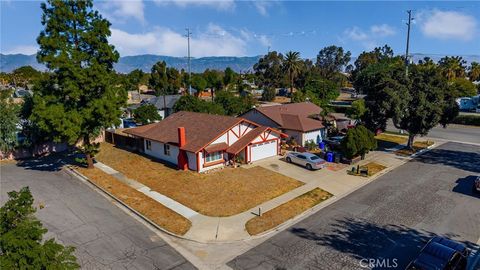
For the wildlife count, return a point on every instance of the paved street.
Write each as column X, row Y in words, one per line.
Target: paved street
column 469, row 134
column 105, row 236
column 391, row 218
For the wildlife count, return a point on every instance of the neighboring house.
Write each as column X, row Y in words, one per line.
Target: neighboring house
column 200, row 141
column 22, row 92
column 294, row 119
column 164, row 105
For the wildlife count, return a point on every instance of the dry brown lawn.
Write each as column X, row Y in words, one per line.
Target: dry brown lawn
column 280, row 99
column 221, row 193
column 286, row 211
column 391, row 138
column 156, row 212
column 417, row 146
column 374, row 168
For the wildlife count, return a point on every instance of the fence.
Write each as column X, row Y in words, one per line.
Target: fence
column 122, row 140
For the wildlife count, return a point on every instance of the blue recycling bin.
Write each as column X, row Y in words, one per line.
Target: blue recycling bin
column 330, row 156
column 321, row 145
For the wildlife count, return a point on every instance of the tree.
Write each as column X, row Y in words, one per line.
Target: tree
column 233, row 105
column 358, row 141
column 21, row 245
column 321, row 91
column 474, row 71
column 214, row 80
column 80, row 98
column 8, row 124
column 331, row 60
column 461, row 87
column 134, row 79
column 269, row 71
column 292, row 65
column 229, row 76
column 357, row 110
column 194, row 104
column 366, row 59
column 146, row 114
column 269, row 94
column 198, row 82
column 452, row 67
column 25, row 75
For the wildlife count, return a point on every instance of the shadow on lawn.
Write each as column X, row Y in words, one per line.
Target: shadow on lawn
column 364, row 240
column 140, row 153
column 468, row 161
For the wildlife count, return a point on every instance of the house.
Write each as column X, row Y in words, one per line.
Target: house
column 293, row 119
column 200, row 141
column 164, row 104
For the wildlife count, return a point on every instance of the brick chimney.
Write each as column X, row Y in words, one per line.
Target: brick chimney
column 182, row 159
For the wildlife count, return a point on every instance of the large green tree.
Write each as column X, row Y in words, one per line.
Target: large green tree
column 8, row 123
column 452, row 67
column 80, row 98
column 358, row 141
column 291, row 66
column 21, row 244
column 269, row 70
column 331, row 60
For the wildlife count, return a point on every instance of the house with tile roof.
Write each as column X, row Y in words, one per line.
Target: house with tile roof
column 299, row 121
column 200, row 141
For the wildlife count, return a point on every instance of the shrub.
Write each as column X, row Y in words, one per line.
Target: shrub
column 470, row 120
column 358, row 141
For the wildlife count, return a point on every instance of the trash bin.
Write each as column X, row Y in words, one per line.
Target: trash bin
column 321, row 145
column 329, row 156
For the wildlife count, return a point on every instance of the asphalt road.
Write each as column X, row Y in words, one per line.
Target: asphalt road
column 388, row 220
column 105, row 237
column 459, row 133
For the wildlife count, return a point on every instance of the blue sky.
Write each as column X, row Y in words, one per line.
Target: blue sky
column 244, row 28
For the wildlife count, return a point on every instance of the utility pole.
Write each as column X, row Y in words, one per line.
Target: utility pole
column 189, row 65
column 408, row 41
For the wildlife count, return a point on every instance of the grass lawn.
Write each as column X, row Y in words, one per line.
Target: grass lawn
column 156, row 212
column 384, row 138
column 372, row 168
column 417, row 146
column 286, row 211
column 221, row 193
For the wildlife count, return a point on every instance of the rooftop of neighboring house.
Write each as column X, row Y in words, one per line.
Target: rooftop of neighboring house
column 162, row 104
column 294, row 116
column 200, row 129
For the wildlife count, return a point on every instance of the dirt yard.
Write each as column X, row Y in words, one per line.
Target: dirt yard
column 221, row 193
column 286, row 211
column 156, row 212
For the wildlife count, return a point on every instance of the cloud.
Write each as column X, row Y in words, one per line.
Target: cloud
column 216, row 4
column 214, row 41
column 382, row 30
column 121, row 10
column 447, row 25
column 22, row 49
column 369, row 39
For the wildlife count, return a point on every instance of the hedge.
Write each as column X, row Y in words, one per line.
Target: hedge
column 470, row 120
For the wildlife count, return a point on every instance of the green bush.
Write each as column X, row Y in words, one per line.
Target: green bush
column 470, row 120
column 358, row 141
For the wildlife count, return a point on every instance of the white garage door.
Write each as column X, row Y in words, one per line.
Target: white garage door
column 263, row 150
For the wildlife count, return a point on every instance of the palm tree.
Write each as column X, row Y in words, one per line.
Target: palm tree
column 474, row 71
column 291, row 65
column 452, row 67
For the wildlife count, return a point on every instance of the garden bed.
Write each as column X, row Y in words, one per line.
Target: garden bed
column 286, row 211
column 417, row 146
column 367, row 170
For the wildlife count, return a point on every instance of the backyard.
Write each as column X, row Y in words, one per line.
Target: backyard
column 221, row 193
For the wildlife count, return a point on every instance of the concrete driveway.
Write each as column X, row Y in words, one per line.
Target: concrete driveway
column 105, row 237
column 388, row 220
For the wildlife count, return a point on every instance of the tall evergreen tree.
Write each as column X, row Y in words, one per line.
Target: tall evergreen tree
column 80, row 98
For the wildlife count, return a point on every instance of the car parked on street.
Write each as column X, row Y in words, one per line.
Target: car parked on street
column 307, row 160
column 476, row 185
column 441, row 254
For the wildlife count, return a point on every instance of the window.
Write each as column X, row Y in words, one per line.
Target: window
column 210, row 157
column 302, row 157
column 166, row 149
column 148, row 144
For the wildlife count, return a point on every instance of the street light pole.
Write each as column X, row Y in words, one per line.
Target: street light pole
column 189, row 64
column 408, row 41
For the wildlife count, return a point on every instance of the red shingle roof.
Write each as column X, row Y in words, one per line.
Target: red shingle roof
column 294, row 116
column 200, row 129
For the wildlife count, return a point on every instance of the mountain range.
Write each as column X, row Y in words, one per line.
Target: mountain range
column 9, row 62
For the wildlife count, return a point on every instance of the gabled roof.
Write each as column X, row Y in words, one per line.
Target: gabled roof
column 170, row 101
column 200, row 129
column 251, row 135
column 293, row 116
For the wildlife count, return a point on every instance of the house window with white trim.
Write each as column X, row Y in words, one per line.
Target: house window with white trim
column 166, row 149
column 148, row 144
column 215, row 156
